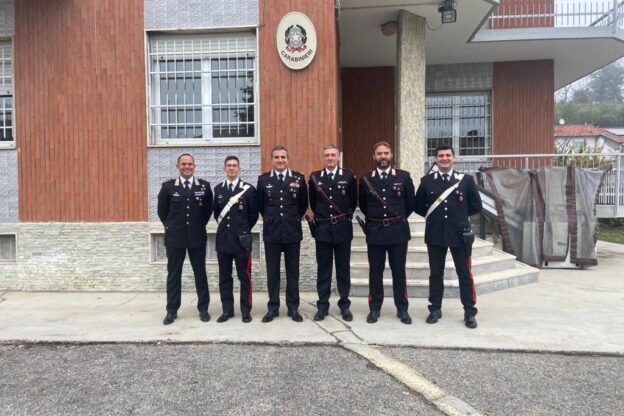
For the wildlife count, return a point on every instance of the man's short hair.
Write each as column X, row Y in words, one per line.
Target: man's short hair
column 330, row 146
column 444, row 147
column 382, row 143
column 185, row 154
column 279, row 147
column 231, row 157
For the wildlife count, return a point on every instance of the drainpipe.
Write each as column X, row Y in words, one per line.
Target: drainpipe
column 615, row 16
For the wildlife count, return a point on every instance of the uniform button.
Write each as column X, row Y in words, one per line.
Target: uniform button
column 331, row 206
column 330, row 189
column 228, row 218
column 281, row 199
column 445, row 209
column 281, row 206
column 445, row 201
column 187, row 199
column 281, row 192
column 228, row 225
column 331, row 197
column 187, row 207
column 384, row 198
column 187, row 223
column 383, row 190
column 385, row 215
column 188, row 215
column 281, row 214
column 446, row 216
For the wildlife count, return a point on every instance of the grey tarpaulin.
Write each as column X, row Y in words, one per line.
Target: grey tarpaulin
column 546, row 212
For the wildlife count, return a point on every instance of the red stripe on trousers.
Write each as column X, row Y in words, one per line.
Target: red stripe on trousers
column 249, row 278
column 474, row 294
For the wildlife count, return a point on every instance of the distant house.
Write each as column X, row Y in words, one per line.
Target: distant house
column 588, row 138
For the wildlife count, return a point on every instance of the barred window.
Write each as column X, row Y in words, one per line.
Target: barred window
column 6, row 93
column 203, row 88
column 459, row 121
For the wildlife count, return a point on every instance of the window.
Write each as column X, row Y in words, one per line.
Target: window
column 460, row 121
column 6, row 93
column 203, row 89
column 7, row 248
column 158, row 252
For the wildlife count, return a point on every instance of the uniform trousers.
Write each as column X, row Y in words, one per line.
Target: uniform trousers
column 226, row 284
column 273, row 253
column 175, row 260
column 437, row 258
column 325, row 252
column 397, row 254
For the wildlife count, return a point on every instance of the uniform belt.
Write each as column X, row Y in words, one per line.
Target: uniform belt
column 334, row 219
column 387, row 221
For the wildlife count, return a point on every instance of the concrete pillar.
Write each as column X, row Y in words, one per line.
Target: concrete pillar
column 410, row 94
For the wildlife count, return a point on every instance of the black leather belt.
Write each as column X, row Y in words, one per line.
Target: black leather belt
column 334, row 219
column 387, row 221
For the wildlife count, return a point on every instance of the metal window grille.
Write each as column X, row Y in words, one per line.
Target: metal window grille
column 460, row 121
column 203, row 88
column 6, row 93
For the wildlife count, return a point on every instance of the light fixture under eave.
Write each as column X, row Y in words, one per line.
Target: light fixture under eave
column 447, row 11
column 389, row 28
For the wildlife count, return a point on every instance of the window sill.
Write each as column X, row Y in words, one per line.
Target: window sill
column 190, row 144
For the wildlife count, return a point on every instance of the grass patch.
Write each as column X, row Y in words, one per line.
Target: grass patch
column 611, row 230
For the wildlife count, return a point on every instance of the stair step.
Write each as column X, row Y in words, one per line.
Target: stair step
column 497, row 261
column 520, row 274
column 418, row 254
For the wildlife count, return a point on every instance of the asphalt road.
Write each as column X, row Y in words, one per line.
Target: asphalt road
column 508, row 383
column 169, row 379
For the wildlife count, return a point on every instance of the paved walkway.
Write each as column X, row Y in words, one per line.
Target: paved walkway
column 567, row 310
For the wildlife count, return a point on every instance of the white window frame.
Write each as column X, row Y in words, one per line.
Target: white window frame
column 456, row 122
column 6, row 89
column 205, row 47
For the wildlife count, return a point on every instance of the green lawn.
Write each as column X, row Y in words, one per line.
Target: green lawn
column 611, row 230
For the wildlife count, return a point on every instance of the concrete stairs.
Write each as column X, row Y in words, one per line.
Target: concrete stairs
column 492, row 269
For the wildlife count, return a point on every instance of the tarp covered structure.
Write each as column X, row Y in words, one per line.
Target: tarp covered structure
column 546, row 213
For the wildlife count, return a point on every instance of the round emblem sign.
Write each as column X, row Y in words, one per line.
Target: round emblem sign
column 296, row 40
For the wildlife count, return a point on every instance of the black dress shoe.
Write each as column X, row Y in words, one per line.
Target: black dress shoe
column 171, row 316
column 246, row 317
column 269, row 316
column 346, row 314
column 320, row 315
column 224, row 317
column 372, row 317
column 404, row 317
column 434, row 316
column 204, row 316
column 470, row 321
column 294, row 314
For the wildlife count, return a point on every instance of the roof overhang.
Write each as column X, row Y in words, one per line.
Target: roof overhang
column 576, row 52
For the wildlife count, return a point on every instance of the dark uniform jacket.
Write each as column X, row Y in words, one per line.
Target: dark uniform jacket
column 185, row 213
column 240, row 218
column 398, row 192
column 333, row 220
column 446, row 223
column 282, row 207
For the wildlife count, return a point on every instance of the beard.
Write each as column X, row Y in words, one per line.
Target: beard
column 383, row 163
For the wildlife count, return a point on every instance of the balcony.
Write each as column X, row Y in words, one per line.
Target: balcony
column 553, row 19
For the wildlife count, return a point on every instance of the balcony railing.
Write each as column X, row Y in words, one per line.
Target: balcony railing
column 515, row 14
column 610, row 202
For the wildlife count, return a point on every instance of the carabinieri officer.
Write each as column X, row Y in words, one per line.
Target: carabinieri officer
column 333, row 198
column 236, row 211
column 446, row 199
column 184, row 208
column 282, row 201
column 387, row 199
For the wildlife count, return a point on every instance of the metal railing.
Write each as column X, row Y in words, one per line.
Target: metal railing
column 611, row 194
column 514, row 14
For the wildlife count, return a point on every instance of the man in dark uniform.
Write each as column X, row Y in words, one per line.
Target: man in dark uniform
column 236, row 212
column 447, row 220
column 387, row 199
column 333, row 198
column 184, row 208
column 282, row 201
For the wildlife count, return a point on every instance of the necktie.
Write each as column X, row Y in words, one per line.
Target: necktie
column 331, row 176
column 281, row 178
column 384, row 175
column 187, row 185
column 446, row 177
column 231, row 188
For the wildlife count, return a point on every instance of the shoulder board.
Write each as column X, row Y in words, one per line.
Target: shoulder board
column 266, row 173
column 169, row 181
column 296, row 173
column 347, row 170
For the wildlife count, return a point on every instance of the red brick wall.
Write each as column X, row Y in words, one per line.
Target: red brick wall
column 298, row 109
column 80, row 110
column 524, row 13
column 523, row 107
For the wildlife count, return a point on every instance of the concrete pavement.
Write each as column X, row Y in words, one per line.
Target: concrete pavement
column 567, row 310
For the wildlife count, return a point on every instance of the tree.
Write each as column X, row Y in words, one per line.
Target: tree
column 583, row 95
column 605, row 84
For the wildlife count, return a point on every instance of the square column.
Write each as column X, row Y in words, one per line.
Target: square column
column 410, row 93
